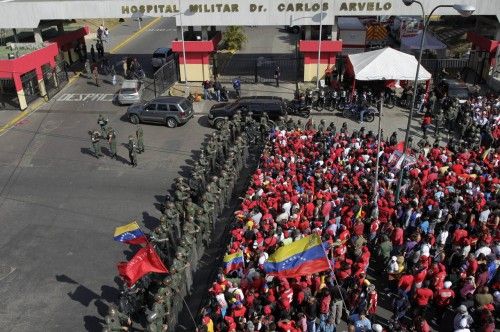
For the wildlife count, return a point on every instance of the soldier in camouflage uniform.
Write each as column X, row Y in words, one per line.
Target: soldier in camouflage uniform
column 190, row 208
column 322, row 126
column 156, row 316
column 171, row 220
column 211, row 153
column 332, row 129
column 214, row 188
column 178, row 270
column 167, row 292
column 203, row 221
column 181, row 194
column 208, row 206
column 115, row 320
column 161, row 242
column 438, row 123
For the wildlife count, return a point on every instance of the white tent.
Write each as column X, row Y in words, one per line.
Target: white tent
column 386, row 64
column 430, row 42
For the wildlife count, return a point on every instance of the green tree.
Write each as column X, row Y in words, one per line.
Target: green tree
column 234, row 38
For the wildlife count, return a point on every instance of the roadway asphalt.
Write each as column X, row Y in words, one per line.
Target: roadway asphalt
column 60, row 205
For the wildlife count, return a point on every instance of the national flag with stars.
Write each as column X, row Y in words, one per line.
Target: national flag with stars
column 233, row 262
column 130, row 233
column 302, row 257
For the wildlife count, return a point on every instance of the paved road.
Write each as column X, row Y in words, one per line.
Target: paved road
column 59, row 205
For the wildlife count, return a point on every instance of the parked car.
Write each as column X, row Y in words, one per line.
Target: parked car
column 170, row 111
column 160, row 57
column 274, row 107
column 454, row 89
column 130, row 92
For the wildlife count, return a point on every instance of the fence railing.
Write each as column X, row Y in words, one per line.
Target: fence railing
column 433, row 65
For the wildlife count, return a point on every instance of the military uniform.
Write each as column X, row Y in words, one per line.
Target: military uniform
column 112, row 142
column 171, row 220
column 132, row 151
column 161, row 241
column 140, row 139
column 438, row 123
column 102, row 122
column 95, row 138
column 115, row 320
column 156, row 316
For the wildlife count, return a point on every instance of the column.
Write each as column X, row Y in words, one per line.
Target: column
column 37, row 32
column 204, row 33
column 16, row 39
column 41, row 83
column 179, row 33
column 308, row 32
column 20, row 92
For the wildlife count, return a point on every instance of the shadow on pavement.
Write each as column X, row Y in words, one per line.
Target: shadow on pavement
column 203, row 121
column 149, row 221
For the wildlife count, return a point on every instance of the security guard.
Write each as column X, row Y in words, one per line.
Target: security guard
column 95, row 138
column 132, row 151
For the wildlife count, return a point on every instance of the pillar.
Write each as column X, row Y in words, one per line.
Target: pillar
column 37, row 32
column 179, row 33
column 21, row 97
column 308, row 32
column 16, row 39
column 41, row 83
column 204, row 32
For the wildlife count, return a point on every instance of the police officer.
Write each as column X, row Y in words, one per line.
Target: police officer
column 132, row 151
column 140, row 139
column 112, row 142
column 95, row 139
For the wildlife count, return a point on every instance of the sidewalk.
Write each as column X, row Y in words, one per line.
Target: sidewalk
column 118, row 34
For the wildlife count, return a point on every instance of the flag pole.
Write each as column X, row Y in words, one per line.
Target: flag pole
column 336, row 282
column 190, row 313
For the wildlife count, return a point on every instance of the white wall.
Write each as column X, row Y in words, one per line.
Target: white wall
column 224, row 12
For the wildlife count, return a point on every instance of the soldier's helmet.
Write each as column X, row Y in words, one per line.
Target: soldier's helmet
column 170, row 204
column 158, row 298
column 299, row 122
column 112, row 310
column 167, row 280
column 215, row 178
column 250, row 114
column 322, row 121
column 131, row 138
column 163, row 218
column 199, row 212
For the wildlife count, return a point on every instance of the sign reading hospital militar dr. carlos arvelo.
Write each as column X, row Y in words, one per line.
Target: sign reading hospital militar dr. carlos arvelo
column 26, row 14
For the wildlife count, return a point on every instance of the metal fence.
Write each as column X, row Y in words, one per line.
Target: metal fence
column 166, row 76
column 255, row 68
column 434, row 65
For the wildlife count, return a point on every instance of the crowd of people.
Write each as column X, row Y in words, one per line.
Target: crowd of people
column 433, row 255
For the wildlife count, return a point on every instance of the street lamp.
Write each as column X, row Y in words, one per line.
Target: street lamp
column 463, row 10
column 186, row 87
column 319, row 45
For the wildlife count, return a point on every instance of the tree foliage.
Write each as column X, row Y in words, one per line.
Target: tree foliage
column 234, row 38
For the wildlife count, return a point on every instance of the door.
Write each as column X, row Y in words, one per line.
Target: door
column 149, row 113
column 163, row 111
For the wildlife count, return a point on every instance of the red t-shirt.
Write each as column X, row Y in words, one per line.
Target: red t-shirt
column 423, row 296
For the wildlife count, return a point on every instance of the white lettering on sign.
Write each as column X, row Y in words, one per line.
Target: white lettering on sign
column 83, row 97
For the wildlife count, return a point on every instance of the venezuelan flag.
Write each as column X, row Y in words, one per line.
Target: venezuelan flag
column 233, row 262
column 302, row 257
column 130, row 233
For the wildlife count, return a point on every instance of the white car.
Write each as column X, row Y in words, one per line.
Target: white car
column 130, row 92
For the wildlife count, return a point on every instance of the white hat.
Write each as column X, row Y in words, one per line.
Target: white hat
column 447, row 284
column 462, row 309
column 377, row 328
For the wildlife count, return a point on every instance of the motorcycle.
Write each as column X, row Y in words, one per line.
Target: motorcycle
column 354, row 113
column 308, row 97
column 390, row 99
column 299, row 108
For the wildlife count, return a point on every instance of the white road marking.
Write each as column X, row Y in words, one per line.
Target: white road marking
column 79, row 97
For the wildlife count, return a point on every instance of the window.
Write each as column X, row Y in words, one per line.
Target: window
column 164, row 108
column 150, row 107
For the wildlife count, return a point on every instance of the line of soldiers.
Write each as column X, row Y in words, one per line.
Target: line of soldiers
column 189, row 218
column 135, row 144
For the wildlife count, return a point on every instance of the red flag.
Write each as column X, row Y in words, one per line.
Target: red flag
column 146, row 260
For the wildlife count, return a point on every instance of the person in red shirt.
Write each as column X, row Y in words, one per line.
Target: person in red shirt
column 443, row 298
column 426, row 122
column 422, row 297
column 406, row 283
